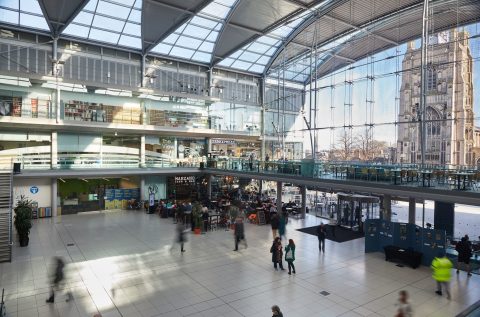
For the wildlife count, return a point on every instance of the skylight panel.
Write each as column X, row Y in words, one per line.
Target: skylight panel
column 195, row 39
column 266, row 45
column 256, row 68
column 23, row 13
column 11, row 4
column 111, row 21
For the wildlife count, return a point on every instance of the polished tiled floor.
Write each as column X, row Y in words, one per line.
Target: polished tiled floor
column 122, row 266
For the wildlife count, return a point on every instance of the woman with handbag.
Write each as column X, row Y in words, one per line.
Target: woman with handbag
column 277, row 253
column 290, row 256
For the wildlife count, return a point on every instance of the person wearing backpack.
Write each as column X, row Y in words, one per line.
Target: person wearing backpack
column 290, row 256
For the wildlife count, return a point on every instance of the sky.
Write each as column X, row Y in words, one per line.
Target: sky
column 384, row 109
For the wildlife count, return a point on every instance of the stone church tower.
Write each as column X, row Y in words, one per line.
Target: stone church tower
column 449, row 117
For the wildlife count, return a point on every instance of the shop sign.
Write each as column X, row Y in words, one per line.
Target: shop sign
column 223, row 141
column 34, row 189
column 184, row 179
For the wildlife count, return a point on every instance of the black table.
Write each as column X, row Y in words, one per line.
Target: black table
column 410, row 257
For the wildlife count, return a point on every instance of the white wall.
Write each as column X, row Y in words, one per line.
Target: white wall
column 43, row 196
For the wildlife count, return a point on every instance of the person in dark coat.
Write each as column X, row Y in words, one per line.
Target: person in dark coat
column 181, row 238
column 58, row 277
column 275, row 223
column 276, row 311
column 464, row 254
column 277, row 253
column 321, row 234
column 239, row 233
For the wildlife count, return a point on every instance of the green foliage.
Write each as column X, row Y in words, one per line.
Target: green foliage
column 23, row 216
column 234, row 211
column 197, row 214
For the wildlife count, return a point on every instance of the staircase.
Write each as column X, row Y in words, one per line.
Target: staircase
column 5, row 216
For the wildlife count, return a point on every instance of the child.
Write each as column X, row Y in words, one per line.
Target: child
column 404, row 307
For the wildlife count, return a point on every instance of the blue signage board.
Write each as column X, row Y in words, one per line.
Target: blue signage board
column 34, row 189
column 110, row 194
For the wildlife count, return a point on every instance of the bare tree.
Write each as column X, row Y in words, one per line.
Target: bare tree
column 367, row 147
column 344, row 147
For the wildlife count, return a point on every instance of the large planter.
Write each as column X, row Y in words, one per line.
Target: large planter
column 197, row 231
column 24, row 239
column 23, row 219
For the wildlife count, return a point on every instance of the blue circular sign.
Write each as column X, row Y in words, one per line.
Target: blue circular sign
column 34, row 189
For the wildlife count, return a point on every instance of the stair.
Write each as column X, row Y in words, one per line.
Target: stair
column 5, row 216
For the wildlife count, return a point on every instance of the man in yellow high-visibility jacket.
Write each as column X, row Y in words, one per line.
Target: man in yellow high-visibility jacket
column 441, row 267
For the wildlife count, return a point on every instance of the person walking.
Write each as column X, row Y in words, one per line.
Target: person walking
column 281, row 226
column 274, row 222
column 441, row 267
column 464, row 250
column 276, row 311
column 321, row 234
column 181, row 238
column 404, row 307
column 277, row 253
column 290, row 256
column 332, row 224
column 58, row 277
column 239, row 233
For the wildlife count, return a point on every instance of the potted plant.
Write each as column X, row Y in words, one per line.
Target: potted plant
column 197, row 217
column 23, row 219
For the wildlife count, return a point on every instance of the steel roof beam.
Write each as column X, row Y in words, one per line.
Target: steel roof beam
column 360, row 29
column 173, row 28
column 300, row 28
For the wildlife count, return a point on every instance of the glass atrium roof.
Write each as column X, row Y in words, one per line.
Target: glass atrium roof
column 195, row 39
column 115, row 22
column 249, row 36
column 254, row 56
column 25, row 13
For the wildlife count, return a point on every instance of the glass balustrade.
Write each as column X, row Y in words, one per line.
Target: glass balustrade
column 461, row 178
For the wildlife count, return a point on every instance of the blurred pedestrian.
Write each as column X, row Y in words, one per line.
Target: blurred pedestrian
column 58, row 277
column 281, row 226
column 404, row 307
column 274, row 222
column 321, row 234
column 276, row 311
column 277, row 253
column 464, row 250
column 239, row 233
column 441, row 267
column 290, row 256
column 180, row 236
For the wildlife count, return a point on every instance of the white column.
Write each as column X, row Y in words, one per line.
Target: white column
column 142, row 188
column 54, row 151
column 54, row 197
column 142, row 151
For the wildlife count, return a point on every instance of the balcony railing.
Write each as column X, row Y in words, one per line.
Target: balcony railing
column 461, row 178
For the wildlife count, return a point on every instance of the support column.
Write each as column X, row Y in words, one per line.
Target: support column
column 444, row 217
column 209, row 145
column 279, row 197
column 303, row 191
column 411, row 210
column 210, row 82
column 209, row 186
column 142, row 188
column 54, row 196
column 387, row 207
column 143, row 71
column 54, row 150
column 262, row 129
column 142, row 151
